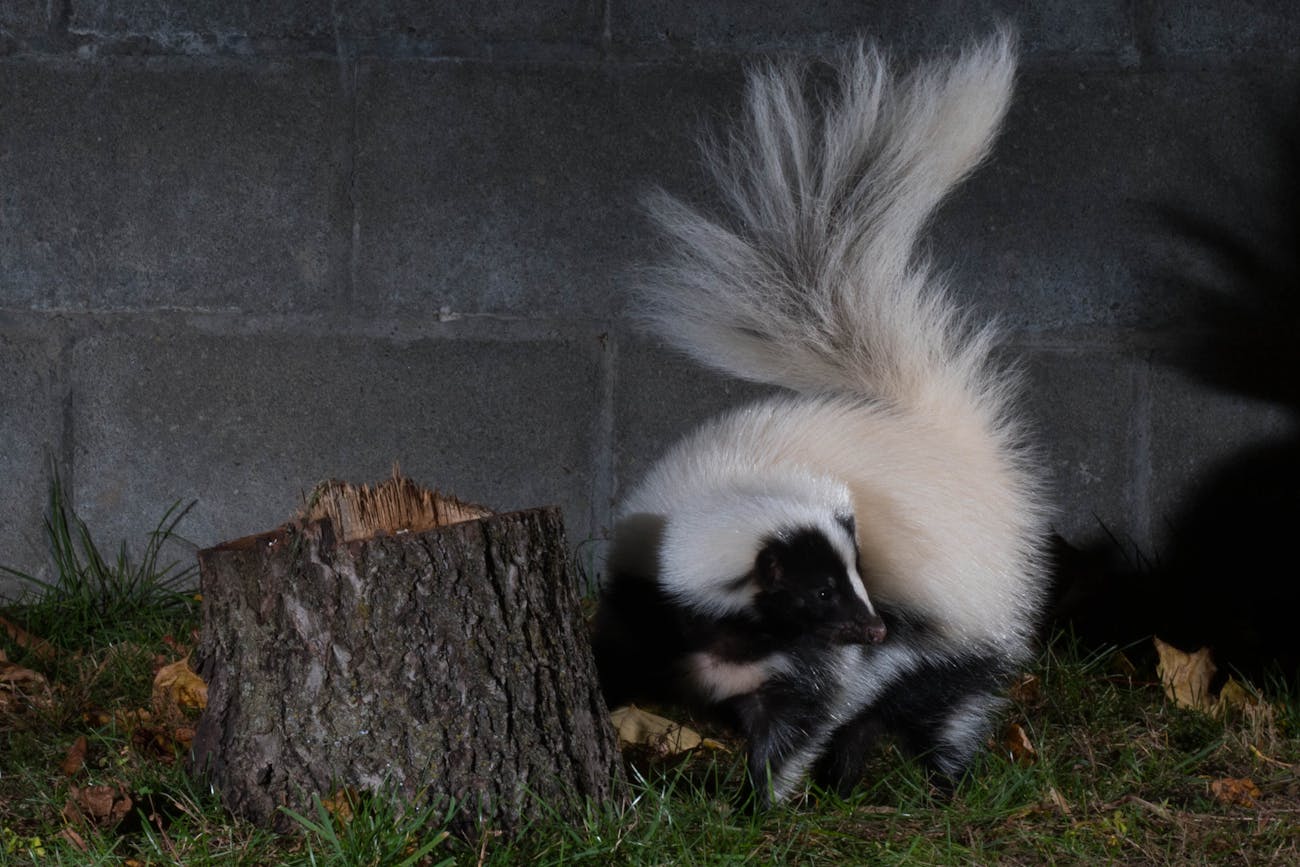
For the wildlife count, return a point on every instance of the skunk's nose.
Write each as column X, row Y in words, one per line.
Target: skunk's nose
column 875, row 629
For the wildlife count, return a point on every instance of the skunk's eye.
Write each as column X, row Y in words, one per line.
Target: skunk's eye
column 823, row 594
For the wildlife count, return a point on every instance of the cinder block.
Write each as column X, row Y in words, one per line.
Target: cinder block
column 207, row 25
column 246, row 424
column 172, row 184
column 388, row 26
column 30, row 435
column 468, row 29
column 513, row 189
column 721, row 26
column 1100, row 180
column 1212, row 25
column 1087, row 419
column 659, row 396
column 22, row 20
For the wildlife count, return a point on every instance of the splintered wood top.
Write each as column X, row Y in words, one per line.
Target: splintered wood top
column 393, row 505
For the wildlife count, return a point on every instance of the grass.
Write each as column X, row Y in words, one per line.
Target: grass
column 1117, row 774
column 94, row 600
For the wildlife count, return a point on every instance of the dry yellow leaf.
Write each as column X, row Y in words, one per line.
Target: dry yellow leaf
column 639, row 728
column 177, row 686
column 1235, row 791
column 1186, row 676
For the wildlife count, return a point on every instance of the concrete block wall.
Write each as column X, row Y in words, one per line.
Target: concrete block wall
column 244, row 247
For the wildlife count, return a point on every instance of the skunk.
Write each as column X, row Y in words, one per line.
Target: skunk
column 894, row 474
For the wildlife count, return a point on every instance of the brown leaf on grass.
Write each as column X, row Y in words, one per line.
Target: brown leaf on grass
column 341, row 804
column 14, row 675
column 177, row 688
column 38, row 647
column 1259, row 715
column 99, row 806
column 1027, row 690
column 21, row 687
column 1186, row 676
column 184, row 737
column 1018, row 746
column 1235, row 791
column 162, row 743
column 638, row 728
column 74, row 839
column 75, row 760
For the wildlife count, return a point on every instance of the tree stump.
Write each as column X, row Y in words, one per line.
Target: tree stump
column 450, row 662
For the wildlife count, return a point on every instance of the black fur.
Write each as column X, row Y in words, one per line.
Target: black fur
column 940, row 712
column 804, row 608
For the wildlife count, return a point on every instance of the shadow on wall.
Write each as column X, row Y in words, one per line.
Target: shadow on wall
column 1225, row 575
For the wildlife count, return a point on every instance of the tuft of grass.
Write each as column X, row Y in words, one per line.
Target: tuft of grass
column 372, row 829
column 94, row 600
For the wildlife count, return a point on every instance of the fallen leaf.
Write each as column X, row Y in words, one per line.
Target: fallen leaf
column 38, row 647
column 1235, row 791
column 639, row 728
column 341, row 804
column 184, row 737
column 14, row 675
column 101, row 806
column 176, row 686
column 1186, row 676
column 1236, row 698
column 74, row 839
column 1027, row 690
column 164, row 743
column 125, row 721
column 1018, row 745
column 22, row 687
column 75, row 759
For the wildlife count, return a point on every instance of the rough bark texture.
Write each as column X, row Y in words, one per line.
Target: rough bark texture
column 448, row 663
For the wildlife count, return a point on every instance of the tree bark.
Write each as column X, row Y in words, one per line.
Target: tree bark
column 451, row 663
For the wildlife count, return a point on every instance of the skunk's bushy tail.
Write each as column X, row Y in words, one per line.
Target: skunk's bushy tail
column 811, row 278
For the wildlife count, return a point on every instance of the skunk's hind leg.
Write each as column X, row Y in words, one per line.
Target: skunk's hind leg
column 844, row 762
column 941, row 713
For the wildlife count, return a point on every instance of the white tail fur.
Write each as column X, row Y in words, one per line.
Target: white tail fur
column 811, row 279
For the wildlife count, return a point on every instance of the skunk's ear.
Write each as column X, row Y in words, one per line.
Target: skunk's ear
column 768, row 568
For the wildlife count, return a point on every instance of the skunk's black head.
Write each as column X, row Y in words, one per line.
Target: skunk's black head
column 808, row 586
